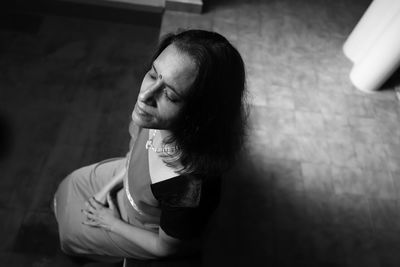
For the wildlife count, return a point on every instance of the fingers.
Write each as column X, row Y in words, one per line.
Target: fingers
column 89, row 208
column 91, row 223
column 92, row 217
column 94, row 203
column 89, row 215
column 90, row 211
column 88, row 205
column 98, row 215
column 110, row 202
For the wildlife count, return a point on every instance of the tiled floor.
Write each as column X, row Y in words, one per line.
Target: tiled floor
column 67, row 87
column 320, row 185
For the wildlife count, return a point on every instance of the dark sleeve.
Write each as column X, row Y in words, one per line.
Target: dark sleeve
column 185, row 206
column 181, row 222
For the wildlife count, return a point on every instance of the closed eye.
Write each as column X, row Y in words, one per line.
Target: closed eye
column 169, row 96
column 152, row 75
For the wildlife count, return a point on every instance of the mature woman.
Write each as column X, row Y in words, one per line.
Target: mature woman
column 187, row 128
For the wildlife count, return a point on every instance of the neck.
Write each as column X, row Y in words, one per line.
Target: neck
column 158, row 136
column 164, row 134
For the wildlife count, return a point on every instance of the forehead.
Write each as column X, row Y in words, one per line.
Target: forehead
column 177, row 68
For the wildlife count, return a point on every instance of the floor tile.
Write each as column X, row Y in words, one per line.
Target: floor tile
column 343, row 154
column 309, row 123
column 9, row 227
column 328, row 247
column 387, row 247
column 313, row 150
column 361, row 249
column 371, row 156
column 351, row 212
column 380, row 184
column 349, row 181
column 317, row 177
column 384, row 214
column 38, row 234
column 319, row 208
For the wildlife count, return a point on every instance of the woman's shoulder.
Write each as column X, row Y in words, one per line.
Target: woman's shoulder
column 185, row 190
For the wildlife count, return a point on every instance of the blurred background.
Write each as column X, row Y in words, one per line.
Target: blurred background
column 319, row 184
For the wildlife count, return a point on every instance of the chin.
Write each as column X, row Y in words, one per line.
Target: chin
column 148, row 122
column 140, row 121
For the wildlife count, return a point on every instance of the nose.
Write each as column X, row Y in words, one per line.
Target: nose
column 150, row 94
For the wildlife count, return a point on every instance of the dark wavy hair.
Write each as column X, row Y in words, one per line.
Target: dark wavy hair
column 210, row 131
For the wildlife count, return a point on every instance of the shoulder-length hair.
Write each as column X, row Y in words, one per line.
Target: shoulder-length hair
column 211, row 128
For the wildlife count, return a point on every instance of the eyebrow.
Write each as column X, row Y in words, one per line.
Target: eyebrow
column 169, row 86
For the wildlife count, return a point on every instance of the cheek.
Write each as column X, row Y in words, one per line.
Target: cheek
column 145, row 84
column 170, row 113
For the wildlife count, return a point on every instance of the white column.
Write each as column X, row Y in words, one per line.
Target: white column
column 370, row 27
column 381, row 59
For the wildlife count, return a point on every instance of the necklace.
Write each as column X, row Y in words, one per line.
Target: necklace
column 164, row 148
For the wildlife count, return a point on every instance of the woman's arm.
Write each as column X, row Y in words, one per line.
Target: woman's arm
column 100, row 196
column 158, row 244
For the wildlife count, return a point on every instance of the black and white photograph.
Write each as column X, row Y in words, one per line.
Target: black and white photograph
column 174, row 133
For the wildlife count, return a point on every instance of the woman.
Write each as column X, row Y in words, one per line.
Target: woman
column 187, row 128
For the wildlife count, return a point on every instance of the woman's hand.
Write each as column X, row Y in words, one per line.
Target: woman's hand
column 98, row 215
column 101, row 197
column 111, row 188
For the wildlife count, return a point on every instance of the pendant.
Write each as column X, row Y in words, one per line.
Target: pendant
column 149, row 144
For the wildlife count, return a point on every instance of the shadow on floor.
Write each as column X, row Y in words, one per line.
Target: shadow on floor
column 19, row 11
column 68, row 85
column 392, row 82
column 253, row 209
column 6, row 137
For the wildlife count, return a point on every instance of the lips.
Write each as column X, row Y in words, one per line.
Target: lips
column 141, row 111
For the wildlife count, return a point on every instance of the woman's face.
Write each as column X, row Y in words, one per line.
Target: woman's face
column 164, row 89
